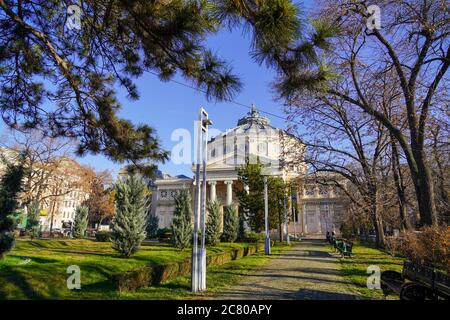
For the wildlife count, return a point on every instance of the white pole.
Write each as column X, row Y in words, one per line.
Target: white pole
column 195, row 255
column 266, row 217
column 286, row 224
column 202, row 258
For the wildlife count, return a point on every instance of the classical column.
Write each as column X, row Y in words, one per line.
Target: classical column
column 229, row 193
column 212, row 190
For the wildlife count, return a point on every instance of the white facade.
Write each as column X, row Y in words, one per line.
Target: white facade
column 321, row 208
column 252, row 137
column 162, row 199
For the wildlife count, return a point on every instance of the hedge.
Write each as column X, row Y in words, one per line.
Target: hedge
column 102, row 236
column 155, row 274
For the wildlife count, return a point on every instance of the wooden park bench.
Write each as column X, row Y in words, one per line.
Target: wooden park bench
column 416, row 282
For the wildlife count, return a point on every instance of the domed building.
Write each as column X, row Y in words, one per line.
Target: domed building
column 281, row 155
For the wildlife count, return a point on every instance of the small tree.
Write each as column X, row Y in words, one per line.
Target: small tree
column 152, row 226
column 10, row 186
column 101, row 199
column 81, row 222
column 128, row 229
column 251, row 201
column 33, row 219
column 230, row 224
column 212, row 232
column 241, row 227
column 182, row 220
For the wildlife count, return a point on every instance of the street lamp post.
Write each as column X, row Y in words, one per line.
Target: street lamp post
column 266, row 218
column 294, row 205
column 198, row 267
column 286, row 222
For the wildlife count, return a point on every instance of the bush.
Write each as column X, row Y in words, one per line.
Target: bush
column 393, row 246
column 253, row 237
column 430, row 246
column 164, row 235
column 81, row 222
column 155, row 274
column 152, row 226
column 212, row 229
column 230, row 224
column 7, row 241
column 103, row 236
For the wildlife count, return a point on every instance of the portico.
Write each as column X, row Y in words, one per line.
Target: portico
column 253, row 136
column 214, row 185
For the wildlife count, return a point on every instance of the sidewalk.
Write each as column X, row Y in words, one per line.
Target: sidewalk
column 307, row 271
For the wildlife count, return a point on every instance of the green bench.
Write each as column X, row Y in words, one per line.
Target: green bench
column 416, row 282
column 344, row 247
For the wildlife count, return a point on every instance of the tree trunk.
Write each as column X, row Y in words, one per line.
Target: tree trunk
column 378, row 223
column 423, row 185
column 380, row 239
column 398, row 178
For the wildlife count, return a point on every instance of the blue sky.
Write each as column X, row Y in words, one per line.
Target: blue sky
column 167, row 106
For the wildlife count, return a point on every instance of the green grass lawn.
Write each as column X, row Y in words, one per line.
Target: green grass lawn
column 355, row 268
column 44, row 277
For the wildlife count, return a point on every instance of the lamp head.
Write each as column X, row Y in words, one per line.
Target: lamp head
column 206, row 122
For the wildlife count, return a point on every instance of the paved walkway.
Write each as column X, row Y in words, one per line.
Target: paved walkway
column 307, row 271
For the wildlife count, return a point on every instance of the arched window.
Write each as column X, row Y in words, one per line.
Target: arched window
column 262, row 148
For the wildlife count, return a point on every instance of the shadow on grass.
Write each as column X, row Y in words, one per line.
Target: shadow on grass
column 355, row 272
column 375, row 262
column 34, row 259
column 37, row 244
column 100, row 287
column 83, row 252
column 17, row 279
column 173, row 286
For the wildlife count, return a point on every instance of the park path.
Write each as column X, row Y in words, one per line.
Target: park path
column 306, row 271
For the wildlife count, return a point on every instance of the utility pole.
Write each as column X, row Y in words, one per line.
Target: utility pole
column 266, row 218
column 198, row 266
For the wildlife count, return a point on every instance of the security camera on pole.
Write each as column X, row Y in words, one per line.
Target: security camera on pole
column 198, row 277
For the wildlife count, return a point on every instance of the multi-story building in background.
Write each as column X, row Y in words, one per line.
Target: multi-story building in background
column 68, row 188
column 59, row 187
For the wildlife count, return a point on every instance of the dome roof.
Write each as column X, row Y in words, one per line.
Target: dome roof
column 254, row 118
